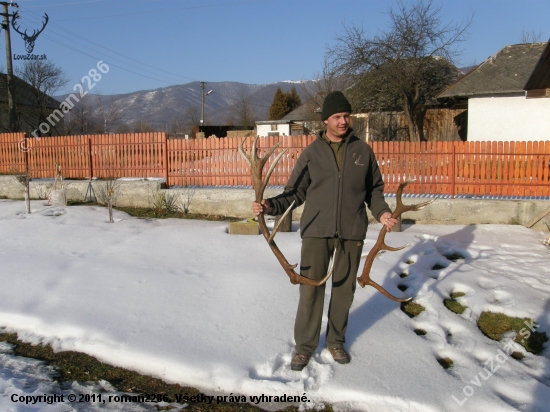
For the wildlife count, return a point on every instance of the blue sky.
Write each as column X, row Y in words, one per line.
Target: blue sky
column 157, row 43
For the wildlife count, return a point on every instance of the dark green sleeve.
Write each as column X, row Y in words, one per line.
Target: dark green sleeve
column 375, row 190
column 295, row 189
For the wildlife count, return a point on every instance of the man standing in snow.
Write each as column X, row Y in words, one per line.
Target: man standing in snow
column 335, row 176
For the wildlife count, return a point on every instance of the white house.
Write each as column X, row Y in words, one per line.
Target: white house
column 507, row 96
column 279, row 128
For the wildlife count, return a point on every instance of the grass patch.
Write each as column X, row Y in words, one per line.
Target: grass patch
column 81, row 203
column 70, row 365
column 402, row 288
column 453, row 305
column 403, row 275
column 412, row 309
column 156, row 213
column 76, row 366
column 420, row 332
column 153, row 213
column 517, row 355
column 446, row 363
column 454, row 257
column 438, row 267
column 494, row 325
column 410, row 262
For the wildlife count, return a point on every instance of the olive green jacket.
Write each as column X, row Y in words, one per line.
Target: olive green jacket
column 334, row 199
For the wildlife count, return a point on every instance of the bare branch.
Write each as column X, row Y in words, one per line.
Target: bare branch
column 402, row 67
column 531, row 36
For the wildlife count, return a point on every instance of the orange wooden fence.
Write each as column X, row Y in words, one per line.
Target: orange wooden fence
column 217, row 162
column 81, row 157
column 486, row 169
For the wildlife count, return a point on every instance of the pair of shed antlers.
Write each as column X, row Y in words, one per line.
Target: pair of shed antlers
column 256, row 169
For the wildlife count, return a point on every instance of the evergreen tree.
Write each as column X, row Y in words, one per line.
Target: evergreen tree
column 293, row 100
column 279, row 106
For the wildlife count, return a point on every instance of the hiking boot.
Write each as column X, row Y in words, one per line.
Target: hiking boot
column 340, row 355
column 299, row 361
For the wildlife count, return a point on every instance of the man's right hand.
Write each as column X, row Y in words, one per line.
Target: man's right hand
column 263, row 207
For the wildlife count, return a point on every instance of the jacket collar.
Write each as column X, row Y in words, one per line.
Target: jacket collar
column 321, row 135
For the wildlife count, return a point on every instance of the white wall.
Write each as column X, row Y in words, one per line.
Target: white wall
column 265, row 129
column 508, row 118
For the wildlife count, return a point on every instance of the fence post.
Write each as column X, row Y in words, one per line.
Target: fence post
column 90, row 157
column 453, row 173
column 26, row 157
column 166, row 158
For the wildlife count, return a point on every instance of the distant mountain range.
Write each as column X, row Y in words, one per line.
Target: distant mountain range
column 164, row 106
column 161, row 107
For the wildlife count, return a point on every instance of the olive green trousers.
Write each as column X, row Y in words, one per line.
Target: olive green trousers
column 315, row 259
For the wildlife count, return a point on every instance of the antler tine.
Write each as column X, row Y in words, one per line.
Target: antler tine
column 272, row 167
column 380, row 245
column 14, row 18
column 365, row 280
column 400, row 208
column 257, row 164
column 276, row 227
column 256, row 167
column 43, row 27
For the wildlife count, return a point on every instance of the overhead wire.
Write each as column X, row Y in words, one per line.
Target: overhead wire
column 204, row 6
column 38, row 18
column 35, row 17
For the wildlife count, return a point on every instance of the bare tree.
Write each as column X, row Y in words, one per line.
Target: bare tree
column 184, row 125
column 531, row 36
column 108, row 190
column 80, row 120
column 109, row 110
column 46, row 80
column 143, row 126
column 177, row 126
column 192, row 116
column 403, row 66
column 242, row 110
column 123, row 128
column 24, row 179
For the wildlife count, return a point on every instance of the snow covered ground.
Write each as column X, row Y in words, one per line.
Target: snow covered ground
column 190, row 304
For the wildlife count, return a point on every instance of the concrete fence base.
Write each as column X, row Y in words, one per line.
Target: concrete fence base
column 237, row 202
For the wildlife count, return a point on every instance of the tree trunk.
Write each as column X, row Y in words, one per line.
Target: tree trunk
column 409, row 116
column 110, row 207
column 420, row 114
column 27, row 198
column 415, row 120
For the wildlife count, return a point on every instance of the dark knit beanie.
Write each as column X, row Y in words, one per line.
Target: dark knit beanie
column 335, row 102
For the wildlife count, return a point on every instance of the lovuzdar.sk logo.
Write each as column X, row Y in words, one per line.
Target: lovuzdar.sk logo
column 29, row 39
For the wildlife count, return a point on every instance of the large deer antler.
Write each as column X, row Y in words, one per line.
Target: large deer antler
column 256, row 167
column 380, row 246
column 29, row 40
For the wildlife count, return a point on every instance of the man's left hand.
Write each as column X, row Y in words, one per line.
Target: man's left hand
column 388, row 221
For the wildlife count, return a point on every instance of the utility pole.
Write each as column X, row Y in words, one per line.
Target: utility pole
column 202, row 101
column 9, row 68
